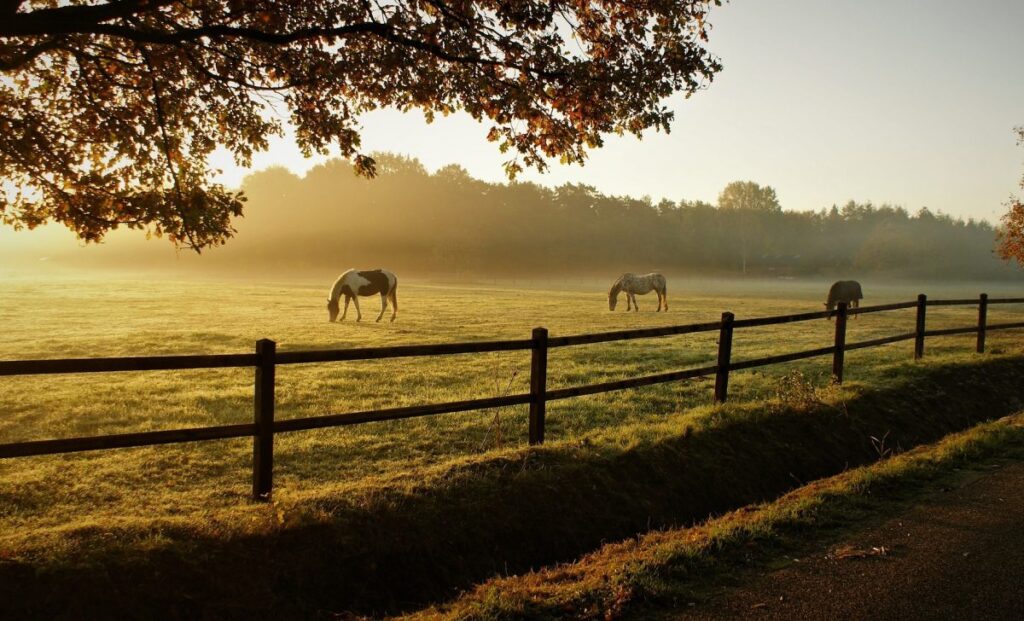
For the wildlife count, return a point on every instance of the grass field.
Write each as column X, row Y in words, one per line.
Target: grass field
column 46, row 501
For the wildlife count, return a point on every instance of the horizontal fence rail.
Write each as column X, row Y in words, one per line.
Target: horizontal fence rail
column 771, row 321
column 1005, row 326
column 885, row 340
column 952, row 331
column 369, row 416
column 624, row 335
column 882, row 307
column 138, row 363
column 763, row 362
column 961, row 302
column 125, row 440
column 400, row 351
column 265, row 360
column 648, row 380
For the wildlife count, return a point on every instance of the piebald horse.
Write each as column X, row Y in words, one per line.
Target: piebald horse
column 631, row 285
column 354, row 283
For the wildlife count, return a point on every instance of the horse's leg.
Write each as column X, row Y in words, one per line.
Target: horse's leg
column 347, row 300
column 394, row 304
column 359, row 313
column 383, row 305
column 636, row 307
column 664, row 298
column 629, row 303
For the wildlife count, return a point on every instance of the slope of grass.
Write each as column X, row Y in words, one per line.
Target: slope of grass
column 675, row 565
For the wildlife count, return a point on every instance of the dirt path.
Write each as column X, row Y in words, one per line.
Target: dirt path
column 958, row 554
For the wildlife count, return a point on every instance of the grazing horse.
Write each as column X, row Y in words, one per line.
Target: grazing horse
column 848, row 291
column 353, row 284
column 631, row 284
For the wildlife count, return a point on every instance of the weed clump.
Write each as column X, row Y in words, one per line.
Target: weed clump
column 796, row 391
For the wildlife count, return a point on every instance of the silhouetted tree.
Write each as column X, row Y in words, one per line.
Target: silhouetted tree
column 111, row 108
column 750, row 196
column 747, row 201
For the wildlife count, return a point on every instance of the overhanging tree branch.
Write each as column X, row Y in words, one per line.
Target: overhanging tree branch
column 551, row 77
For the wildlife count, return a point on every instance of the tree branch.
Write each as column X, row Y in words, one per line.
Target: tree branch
column 52, row 21
column 162, row 122
column 17, row 61
column 72, row 19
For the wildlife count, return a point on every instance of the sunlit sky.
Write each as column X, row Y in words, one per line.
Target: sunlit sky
column 911, row 102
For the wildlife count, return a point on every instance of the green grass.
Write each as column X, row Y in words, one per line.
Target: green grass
column 96, row 318
column 137, row 501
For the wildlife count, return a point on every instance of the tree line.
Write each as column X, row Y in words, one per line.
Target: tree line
column 450, row 223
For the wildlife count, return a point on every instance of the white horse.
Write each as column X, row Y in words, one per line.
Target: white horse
column 631, row 284
column 353, row 284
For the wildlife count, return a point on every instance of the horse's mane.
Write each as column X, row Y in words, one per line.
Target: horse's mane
column 336, row 287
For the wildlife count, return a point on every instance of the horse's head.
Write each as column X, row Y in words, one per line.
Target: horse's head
column 332, row 309
column 613, row 298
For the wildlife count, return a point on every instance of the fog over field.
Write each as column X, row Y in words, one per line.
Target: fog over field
column 449, row 225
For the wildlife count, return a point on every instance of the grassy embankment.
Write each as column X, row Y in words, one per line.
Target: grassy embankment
column 661, row 569
column 461, row 494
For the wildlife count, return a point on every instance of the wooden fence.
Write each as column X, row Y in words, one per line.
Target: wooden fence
column 266, row 359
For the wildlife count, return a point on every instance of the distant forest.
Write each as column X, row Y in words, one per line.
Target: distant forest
column 448, row 223
column 451, row 223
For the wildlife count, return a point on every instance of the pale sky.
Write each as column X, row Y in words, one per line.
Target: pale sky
column 911, row 102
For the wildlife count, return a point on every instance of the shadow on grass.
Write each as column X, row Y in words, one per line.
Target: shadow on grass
column 504, row 515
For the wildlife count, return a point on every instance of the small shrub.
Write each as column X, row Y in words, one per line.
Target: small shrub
column 794, row 390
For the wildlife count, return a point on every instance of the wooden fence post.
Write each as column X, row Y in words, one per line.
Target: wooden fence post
column 982, row 320
column 922, row 304
column 839, row 354
column 263, row 441
column 724, row 357
column 538, row 384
